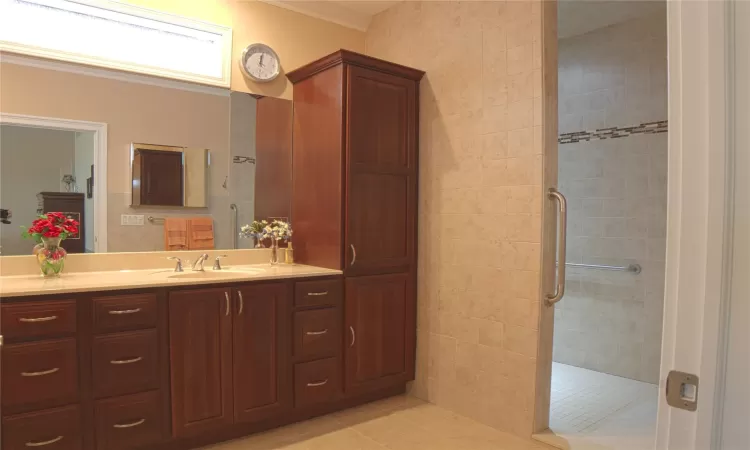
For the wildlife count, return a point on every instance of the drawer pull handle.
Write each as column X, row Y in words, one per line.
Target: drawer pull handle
column 43, row 443
column 129, row 425
column 318, row 383
column 354, row 336
column 37, row 319
column 316, row 333
column 242, row 303
column 40, row 373
column 125, row 311
column 317, row 294
column 226, row 297
column 126, row 361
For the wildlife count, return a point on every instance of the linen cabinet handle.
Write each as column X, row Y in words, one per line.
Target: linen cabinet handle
column 37, row 319
column 354, row 336
column 43, row 443
column 354, row 254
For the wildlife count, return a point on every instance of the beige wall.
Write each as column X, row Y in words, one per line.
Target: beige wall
column 480, row 200
column 133, row 112
column 32, row 160
column 296, row 38
column 616, row 188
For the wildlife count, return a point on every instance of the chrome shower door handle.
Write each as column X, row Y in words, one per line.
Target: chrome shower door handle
column 562, row 225
column 354, row 254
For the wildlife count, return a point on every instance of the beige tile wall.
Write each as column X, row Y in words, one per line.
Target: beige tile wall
column 480, row 200
column 616, row 188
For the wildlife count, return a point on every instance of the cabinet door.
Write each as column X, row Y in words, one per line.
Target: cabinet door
column 262, row 385
column 381, row 172
column 380, row 321
column 200, row 346
column 162, row 178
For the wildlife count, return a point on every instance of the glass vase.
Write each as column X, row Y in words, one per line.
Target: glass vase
column 51, row 257
column 274, row 251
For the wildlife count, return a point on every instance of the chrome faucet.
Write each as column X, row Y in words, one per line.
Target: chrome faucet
column 199, row 262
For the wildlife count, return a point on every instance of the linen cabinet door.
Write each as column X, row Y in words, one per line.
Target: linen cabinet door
column 382, row 172
column 380, row 321
column 262, row 385
column 200, row 347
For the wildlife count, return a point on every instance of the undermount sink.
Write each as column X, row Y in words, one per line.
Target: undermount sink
column 245, row 270
column 213, row 274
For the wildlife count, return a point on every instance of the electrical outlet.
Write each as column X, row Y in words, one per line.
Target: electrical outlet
column 131, row 219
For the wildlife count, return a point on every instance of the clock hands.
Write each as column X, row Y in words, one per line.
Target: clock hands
column 261, row 59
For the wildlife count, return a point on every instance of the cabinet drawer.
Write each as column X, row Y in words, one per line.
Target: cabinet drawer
column 38, row 319
column 56, row 429
column 125, row 363
column 316, row 382
column 317, row 293
column 316, row 332
column 128, row 422
column 39, row 375
column 124, row 312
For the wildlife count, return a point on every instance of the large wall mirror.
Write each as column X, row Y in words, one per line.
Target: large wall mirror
column 132, row 157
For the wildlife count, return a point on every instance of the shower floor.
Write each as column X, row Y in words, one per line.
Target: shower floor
column 593, row 410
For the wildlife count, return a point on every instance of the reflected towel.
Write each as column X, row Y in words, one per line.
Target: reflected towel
column 201, row 233
column 175, row 233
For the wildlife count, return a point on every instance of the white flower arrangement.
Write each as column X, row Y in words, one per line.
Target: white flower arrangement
column 262, row 229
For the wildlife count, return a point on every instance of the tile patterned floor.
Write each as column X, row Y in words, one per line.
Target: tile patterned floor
column 399, row 423
column 597, row 410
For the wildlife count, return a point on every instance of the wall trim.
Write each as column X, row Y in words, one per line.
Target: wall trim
column 100, row 162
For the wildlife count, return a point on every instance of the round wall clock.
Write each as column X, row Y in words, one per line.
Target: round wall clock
column 260, row 63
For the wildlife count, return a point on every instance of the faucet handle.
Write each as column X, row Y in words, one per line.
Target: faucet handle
column 178, row 267
column 217, row 264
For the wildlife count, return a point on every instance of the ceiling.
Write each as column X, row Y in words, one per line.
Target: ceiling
column 576, row 17
column 352, row 13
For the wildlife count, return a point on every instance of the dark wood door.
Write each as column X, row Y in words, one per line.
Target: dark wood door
column 200, row 337
column 161, row 178
column 381, row 328
column 382, row 172
column 262, row 384
column 72, row 204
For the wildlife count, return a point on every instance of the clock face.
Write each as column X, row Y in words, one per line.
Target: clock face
column 260, row 62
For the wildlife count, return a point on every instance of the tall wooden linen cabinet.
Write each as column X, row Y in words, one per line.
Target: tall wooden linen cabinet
column 354, row 204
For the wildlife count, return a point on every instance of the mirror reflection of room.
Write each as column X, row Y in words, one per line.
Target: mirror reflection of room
column 181, row 159
column 46, row 169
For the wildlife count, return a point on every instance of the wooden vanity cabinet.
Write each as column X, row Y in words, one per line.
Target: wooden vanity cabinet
column 229, row 357
column 355, row 204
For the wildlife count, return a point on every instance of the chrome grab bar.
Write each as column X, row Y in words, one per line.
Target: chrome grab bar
column 635, row 268
column 562, row 226
column 235, row 231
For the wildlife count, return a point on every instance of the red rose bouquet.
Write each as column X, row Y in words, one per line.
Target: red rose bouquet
column 51, row 225
column 48, row 230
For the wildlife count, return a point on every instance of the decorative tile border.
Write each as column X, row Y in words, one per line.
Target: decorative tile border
column 613, row 133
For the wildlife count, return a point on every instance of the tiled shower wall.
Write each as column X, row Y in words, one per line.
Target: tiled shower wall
column 614, row 77
column 480, row 200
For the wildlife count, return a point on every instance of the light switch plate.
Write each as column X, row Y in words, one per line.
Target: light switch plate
column 131, row 219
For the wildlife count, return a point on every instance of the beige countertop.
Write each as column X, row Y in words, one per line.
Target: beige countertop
column 26, row 285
